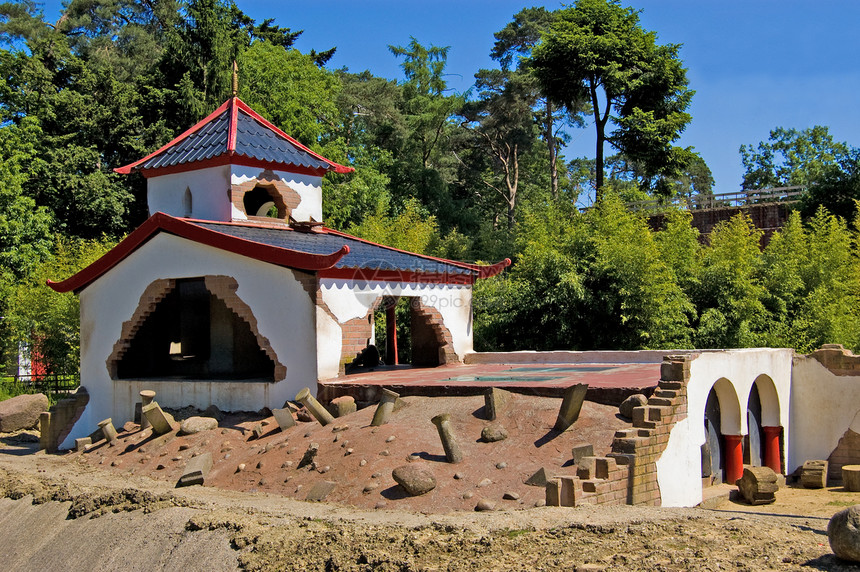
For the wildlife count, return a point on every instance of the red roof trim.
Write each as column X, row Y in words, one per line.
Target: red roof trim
column 232, row 105
column 396, row 276
column 166, row 223
column 231, row 160
column 234, row 118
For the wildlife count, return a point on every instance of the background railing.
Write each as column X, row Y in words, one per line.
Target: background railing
column 723, row 200
column 41, row 383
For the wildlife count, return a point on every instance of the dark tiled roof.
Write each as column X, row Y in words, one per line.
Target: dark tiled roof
column 253, row 140
column 256, row 141
column 362, row 255
column 206, row 143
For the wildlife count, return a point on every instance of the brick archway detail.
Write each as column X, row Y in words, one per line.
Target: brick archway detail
column 286, row 199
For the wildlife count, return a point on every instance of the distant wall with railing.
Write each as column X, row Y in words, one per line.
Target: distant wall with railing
column 739, row 199
column 55, row 384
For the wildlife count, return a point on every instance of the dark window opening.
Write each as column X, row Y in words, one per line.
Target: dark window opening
column 418, row 341
column 192, row 334
column 264, row 202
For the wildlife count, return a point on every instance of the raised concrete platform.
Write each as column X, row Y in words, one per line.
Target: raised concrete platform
column 608, row 383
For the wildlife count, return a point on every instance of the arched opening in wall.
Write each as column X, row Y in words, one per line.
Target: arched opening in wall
column 753, row 440
column 265, row 201
column 190, row 333
column 769, row 425
column 187, row 203
column 406, row 331
column 713, row 463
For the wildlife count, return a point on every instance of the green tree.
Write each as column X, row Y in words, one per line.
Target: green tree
column 596, row 53
column 790, row 157
column 729, row 295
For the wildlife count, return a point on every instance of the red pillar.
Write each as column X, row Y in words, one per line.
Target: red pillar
column 391, row 334
column 772, row 457
column 734, row 457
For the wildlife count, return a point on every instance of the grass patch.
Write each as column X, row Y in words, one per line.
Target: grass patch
column 512, row 533
column 842, row 503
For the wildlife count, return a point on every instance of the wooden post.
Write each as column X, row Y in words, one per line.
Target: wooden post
column 391, row 334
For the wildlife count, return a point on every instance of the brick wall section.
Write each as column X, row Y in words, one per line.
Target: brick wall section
column 838, row 360
column 432, row 318
column 767, row 217
column 847, row 452
column 64, row 414
column 355, row 335
column 628, row 475
column 284, row 197
column 224, row 288
column 152, row 295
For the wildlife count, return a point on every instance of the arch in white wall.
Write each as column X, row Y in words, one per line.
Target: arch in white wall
column 769, row 397
column 730, row 408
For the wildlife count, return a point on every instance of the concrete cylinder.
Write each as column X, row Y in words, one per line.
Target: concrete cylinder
column 317, row 410
column 108, row 430
column 449, row 442
column 851, row 478
column 734, row 457
column 385, row 407
column 772, row 458
column 146, row 397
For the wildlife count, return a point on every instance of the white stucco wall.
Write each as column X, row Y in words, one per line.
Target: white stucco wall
column 283, row 309
column 210, row 193
column 308, row 187
column 679, row 468
column 349, row 299
column 823, row 406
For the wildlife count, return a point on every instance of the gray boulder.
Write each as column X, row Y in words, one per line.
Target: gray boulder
column 22, row 412
column 843, row 531
column 494, row 432
column 194, row 425
column 626, row 407
column 415, row 479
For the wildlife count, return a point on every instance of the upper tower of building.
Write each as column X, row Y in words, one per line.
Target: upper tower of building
column 235, row 166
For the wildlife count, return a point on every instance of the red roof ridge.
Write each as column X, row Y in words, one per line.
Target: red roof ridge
column 188, row 230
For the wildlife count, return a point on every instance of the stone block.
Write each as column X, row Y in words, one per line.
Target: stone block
column 553, row 492
column 758, row 485
column 158, row 419
column 81, row 443
column 851, row 477
column 343, row 405
column 580, row 451
column 196, row 470
column 571, row 405
column 813, row 474
column 626, row 407
column 568, row 491
column 539, row 479
column 320, row 491
column 284, row 418
column 675, row 368
column 22, row 412
column 495, row 402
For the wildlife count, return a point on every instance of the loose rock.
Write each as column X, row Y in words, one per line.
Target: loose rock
column 415, row 479
column 194, row 425
column 485, row 505
column 493, row 432
column 626, row 407
column 843, row 531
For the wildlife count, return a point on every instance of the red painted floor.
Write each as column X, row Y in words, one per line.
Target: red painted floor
column 607, row 383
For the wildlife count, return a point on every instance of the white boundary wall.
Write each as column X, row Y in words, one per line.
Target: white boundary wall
column 679, row 469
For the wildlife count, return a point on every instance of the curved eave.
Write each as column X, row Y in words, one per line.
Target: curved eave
column 160, row 222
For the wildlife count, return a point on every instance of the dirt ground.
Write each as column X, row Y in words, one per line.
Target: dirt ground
column 113, row 508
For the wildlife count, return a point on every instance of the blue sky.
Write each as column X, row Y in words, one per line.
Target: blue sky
column 755, row 64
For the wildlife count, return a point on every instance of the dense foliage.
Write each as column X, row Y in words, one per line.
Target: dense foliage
column 479, row 175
